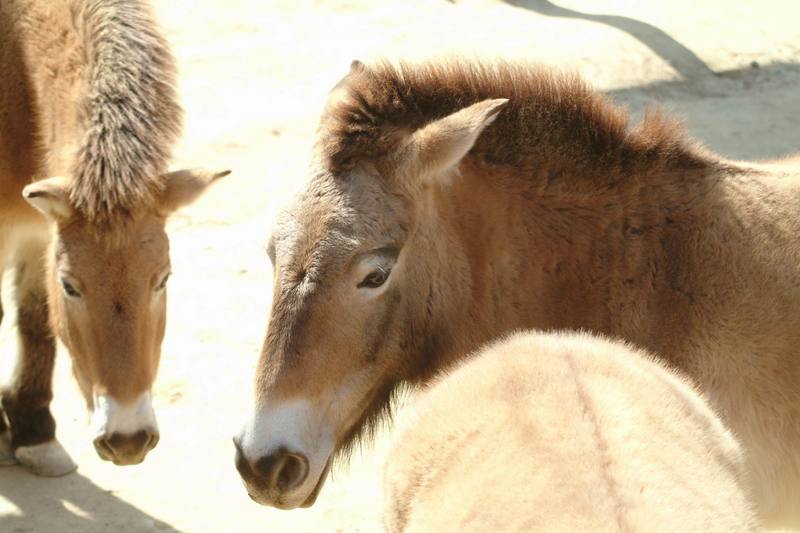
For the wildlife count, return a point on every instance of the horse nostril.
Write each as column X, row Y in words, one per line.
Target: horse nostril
column 103, row 448
column 291, row 473
column 283, row 471
column 125, row 444
column 154, row 438
column 126, row 448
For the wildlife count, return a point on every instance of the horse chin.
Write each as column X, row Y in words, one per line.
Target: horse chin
column 309, row 501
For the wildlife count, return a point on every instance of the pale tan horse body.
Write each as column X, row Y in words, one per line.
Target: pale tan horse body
column 564, row 432
column 88, row 117
column 439, row 217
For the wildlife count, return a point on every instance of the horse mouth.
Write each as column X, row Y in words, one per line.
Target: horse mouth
column 309, row 501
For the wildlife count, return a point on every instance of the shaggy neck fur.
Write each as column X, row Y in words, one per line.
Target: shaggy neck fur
column 552, row 124
column 109, row 57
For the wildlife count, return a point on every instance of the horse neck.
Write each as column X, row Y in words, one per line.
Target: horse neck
column 18, row 145
column 512, row 254
column 54, row 60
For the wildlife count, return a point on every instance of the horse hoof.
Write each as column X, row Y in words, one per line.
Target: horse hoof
column 6, row 455
column 49, row 459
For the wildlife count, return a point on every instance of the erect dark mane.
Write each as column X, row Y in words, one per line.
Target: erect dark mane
column 551, row 117
column 132, row 115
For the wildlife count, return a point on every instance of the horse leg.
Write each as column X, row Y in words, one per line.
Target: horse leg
column 6, row 455
column 26, row 400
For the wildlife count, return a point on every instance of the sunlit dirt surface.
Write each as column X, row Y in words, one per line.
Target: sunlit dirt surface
column 253, row 76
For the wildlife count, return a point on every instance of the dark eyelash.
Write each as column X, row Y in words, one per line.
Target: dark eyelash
column 163, row 283
column 375, row 279
column 69, row 289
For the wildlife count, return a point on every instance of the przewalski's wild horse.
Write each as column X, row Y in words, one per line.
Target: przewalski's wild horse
column 451, row 203
column 564, row 432
column 89, row 116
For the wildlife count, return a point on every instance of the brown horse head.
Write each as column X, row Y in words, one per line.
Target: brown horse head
column 107, row 293
column 559, row 216
column 349, row 304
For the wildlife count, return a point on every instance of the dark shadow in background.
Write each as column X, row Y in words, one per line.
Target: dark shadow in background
column 41, row 503
column 748, row 113
column 680, row 58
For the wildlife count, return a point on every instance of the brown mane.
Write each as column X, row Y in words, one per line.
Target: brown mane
column 132, row 116
column 550, row 117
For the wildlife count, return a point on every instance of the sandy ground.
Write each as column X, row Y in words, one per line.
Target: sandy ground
column 253, row 76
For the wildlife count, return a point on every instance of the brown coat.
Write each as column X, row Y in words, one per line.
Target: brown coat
column 450, row 203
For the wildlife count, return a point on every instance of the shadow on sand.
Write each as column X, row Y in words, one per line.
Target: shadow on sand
column 67, row 504
column 747, row 113
column 678, row 56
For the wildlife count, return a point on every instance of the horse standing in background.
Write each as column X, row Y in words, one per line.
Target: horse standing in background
column 88, row 118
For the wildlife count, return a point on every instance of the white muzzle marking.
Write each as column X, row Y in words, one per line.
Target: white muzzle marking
column 110, row 417
column 290, row 425
column 302, row 427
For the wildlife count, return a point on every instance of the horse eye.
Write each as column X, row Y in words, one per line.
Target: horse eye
column 163, row 285
column 70, row 291
column 375, row 279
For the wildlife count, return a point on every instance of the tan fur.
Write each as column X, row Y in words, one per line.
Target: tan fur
column 564, row 432
column 89, row 118
column 558, row 218
column 103, row 79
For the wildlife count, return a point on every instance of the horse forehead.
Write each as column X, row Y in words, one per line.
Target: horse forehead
column 312, row 260
column 356, row 190
column 313, row 225
column 135, row 245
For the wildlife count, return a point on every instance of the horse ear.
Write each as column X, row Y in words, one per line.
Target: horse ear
column 439, row 146
column 51, row 197
column 183, row 187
